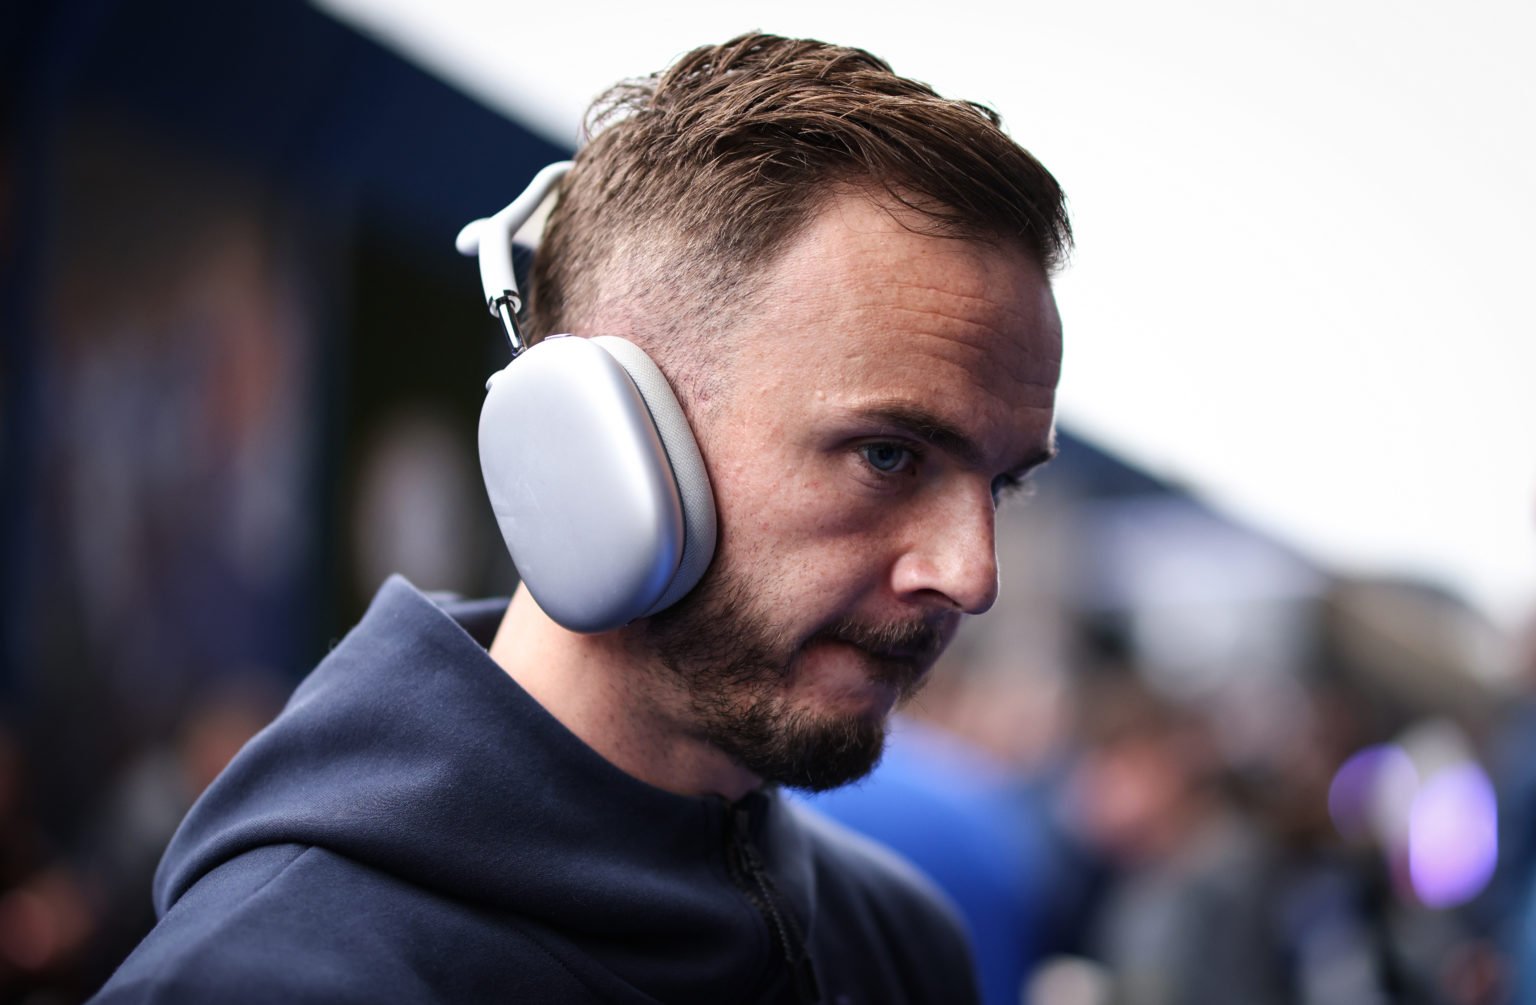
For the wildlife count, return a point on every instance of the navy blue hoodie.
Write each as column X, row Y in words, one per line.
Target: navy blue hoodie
column 415, row 827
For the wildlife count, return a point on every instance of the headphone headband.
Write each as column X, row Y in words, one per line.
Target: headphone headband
column 491, row 239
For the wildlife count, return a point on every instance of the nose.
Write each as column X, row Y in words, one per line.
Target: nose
column 953, row 556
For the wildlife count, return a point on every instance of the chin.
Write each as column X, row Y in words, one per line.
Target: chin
column 813, row 748
column 869, row 704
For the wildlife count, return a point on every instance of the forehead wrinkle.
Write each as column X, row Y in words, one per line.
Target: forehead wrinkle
column 979, row 278
column 961, row 286
column 951, row 302
column 973, row 334
column 1000, row 353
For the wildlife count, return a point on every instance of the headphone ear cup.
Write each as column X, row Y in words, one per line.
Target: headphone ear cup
column 596, row 482
column 687, row 464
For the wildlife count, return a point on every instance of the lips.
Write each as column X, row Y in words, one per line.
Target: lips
column 899, row 653
column 912, row 640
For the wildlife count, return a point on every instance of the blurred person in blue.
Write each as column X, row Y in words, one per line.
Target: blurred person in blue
column 1508, row 909
column 751, row 496
column 954, row 812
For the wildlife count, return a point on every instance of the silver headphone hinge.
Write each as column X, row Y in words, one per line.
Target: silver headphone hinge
column 507, row 306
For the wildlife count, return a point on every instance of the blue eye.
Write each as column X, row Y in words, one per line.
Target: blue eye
column 887, row 458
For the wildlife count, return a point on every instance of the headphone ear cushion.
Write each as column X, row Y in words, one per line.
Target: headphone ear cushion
column 699, row 526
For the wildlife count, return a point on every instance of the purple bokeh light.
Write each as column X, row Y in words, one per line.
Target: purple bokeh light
column 1453, row 840
column 1367, row 792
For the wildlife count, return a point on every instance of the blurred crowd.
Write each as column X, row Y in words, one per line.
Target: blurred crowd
column 1356, row 830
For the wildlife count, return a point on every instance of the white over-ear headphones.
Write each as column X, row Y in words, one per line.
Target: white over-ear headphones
column 593, row 473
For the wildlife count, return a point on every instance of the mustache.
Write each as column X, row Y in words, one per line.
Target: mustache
column 916, row 642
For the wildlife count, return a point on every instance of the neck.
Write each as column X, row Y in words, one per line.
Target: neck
column 617, row 698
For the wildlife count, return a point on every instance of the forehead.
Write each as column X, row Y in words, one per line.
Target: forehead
column 863, row 309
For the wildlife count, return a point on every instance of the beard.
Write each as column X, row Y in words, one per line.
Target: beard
column 736, row 665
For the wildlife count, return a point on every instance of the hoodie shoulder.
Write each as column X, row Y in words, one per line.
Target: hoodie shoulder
column 365, row 737
column 300, row 924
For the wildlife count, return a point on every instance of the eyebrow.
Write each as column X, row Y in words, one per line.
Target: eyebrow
column 938, row 433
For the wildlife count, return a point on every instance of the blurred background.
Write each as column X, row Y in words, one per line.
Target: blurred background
column 1253, row 721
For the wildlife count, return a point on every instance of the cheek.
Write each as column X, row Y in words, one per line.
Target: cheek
column 796, row 511
column 797, row 545
column 799, row 508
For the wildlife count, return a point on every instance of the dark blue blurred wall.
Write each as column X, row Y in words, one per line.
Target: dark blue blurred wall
column 335, row 132
column 226, row 246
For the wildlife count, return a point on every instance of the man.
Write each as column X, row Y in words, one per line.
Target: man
column 844, row 277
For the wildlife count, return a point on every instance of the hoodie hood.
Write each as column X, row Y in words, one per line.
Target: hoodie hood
column 410, row 751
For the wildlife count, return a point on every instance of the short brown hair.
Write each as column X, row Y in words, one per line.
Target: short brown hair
column 695, row 177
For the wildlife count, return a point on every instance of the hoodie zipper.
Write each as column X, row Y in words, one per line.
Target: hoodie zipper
column 747, row 870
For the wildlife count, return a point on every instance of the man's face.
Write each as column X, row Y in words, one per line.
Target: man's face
column 894, row 383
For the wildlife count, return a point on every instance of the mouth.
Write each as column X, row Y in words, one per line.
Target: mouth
column 897, row 655
column 915, row 641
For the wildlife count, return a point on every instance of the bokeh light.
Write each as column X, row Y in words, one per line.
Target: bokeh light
column 1372, row 792
column 1453, row 836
